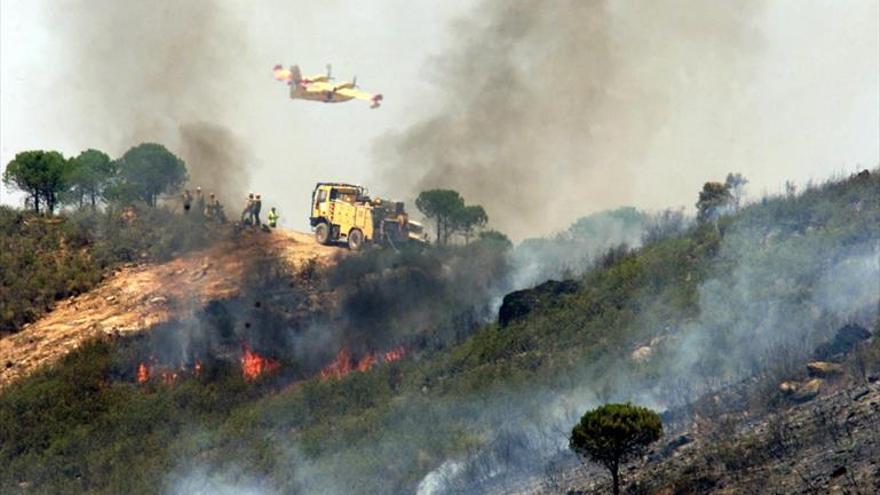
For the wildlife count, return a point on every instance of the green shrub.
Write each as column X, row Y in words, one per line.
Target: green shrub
column 614, row 434
column 47, row 259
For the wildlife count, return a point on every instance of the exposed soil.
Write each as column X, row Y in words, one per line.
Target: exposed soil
column 136, row 297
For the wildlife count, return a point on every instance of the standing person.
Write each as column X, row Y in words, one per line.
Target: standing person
column 219, row 216
column 210, row 212
column 200, row 201
column 273, row 217
column 187, row 200
column 247, row 213
column 258, row 205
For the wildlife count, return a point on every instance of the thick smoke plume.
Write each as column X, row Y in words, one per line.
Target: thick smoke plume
column 549, row 111
column 161, row 72
column 216, row 158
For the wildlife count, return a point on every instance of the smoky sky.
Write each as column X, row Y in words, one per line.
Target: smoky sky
column 553, row 110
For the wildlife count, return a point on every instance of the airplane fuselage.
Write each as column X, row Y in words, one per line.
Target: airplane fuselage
column 319, row 91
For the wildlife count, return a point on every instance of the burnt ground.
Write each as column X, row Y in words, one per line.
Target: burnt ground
column 830, row 444
column 827, row 442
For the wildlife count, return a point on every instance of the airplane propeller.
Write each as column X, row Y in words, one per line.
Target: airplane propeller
column 329, row 69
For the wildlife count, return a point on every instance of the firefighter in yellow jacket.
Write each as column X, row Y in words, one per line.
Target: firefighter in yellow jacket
column 273, row 217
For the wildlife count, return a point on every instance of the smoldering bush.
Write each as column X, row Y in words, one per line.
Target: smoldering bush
column 425, row 297
column 665, row 224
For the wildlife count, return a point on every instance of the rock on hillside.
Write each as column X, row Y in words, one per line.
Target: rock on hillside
column 845, row 339
column 518, row 304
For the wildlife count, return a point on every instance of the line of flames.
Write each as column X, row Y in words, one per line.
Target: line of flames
column 254, row 365
column 165, row 374
column 345, row 363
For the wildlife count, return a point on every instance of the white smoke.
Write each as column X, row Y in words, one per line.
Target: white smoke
column 201, row 480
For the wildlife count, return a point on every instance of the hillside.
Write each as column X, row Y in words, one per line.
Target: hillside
column 405, row 383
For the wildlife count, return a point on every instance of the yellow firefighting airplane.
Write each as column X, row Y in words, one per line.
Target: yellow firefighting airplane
column 320, row 88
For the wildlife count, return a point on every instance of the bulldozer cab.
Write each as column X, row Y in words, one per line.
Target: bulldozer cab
column 341, row 212
column 325, row 192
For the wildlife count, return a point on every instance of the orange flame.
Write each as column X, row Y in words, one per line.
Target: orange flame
column 253, row 365
column 366, row 363
column 395, row 354
column 339, row 367
column 164, row 374
column 168, row 377
column 143, row 374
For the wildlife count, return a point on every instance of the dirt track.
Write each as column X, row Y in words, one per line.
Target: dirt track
column 134, row 298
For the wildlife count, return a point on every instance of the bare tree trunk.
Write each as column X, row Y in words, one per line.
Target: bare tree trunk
column 615, row 478
column 446, row 232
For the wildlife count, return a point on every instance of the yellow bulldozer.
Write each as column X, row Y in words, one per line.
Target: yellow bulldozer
column 345, row 213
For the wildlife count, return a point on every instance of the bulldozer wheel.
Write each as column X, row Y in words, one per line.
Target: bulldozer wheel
column 355, row 239
column 322, row 233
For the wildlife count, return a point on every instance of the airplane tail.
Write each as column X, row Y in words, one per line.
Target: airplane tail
column 376, row 99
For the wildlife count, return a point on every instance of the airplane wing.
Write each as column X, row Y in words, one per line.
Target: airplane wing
column 360, row 95
column 317, row 78
column 318, row 85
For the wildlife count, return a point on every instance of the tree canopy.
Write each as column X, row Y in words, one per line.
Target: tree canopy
column 614, row 434
column 448, row 209
column 714, row 200
column 442, row 205
column 148, row 170
column 40, row 174
column 89, row 175
column 495, row 238
column 469, row 218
